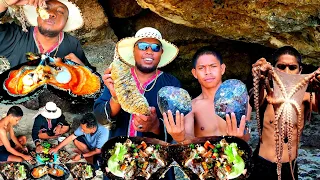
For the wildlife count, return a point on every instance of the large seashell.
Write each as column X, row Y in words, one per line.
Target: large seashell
column 129, row 97
column 232, row 96
column 173, row 99
column 65, row 78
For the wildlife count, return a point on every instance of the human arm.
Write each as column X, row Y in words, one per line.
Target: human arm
column 14, row 138
column 150, row 123
column 87, row 155
column 6, row 143
column 63, row 143
column 62, row 126
column 106, row 106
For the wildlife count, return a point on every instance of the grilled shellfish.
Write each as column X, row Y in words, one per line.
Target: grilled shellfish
column 74, row 79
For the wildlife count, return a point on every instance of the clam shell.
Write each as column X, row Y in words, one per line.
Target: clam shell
column 173, row 99
column 66, row 172
column 7, row 97
column 231, row 96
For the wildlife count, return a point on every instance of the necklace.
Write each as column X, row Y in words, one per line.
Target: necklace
column 144, row 89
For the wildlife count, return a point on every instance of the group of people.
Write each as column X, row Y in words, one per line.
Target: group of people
column 146, row 52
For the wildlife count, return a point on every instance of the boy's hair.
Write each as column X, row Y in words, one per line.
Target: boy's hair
column 287, row 50
column 90, row 120
column 15, row 111
column 205, row 50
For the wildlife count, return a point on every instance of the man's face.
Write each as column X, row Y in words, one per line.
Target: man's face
column 208, row 71
column 147, row 59
column 58, row 16
column 85, row 129
column 14, row 120
column 288, row 64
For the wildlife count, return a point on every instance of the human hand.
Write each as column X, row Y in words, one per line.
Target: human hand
column 108, row 81
column 264, row 66
column 232, row 129
column 57, row 130
column 39, row 148
column 73, row 58
column 148, row 123
column 175, row 129
column 76, row 157
column 53, row 150
column 35, row 3
column 27, row 157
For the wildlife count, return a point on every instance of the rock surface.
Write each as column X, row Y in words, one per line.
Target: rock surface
column 271, row 23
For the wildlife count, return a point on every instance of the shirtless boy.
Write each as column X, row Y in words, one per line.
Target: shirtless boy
column 7, row 150
column 202, row 121
column 288, row 60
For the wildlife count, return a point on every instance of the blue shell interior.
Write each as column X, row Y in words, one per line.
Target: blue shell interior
column 232, row 96
column 173, row 99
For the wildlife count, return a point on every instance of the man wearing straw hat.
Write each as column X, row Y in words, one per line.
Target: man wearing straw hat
column 49, row 123
column 46, row 35
column 145, row 52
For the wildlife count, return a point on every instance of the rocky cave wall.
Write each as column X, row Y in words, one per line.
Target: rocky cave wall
column 243, row 31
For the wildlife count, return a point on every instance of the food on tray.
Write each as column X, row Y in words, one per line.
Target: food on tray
column 82, row 171
column 220, row 161
column 16, row 171
column 129, row 160
column 40, row 171
column 56, row 172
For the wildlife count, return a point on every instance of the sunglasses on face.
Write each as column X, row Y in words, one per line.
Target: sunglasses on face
column 144, row 46
column 284, row 66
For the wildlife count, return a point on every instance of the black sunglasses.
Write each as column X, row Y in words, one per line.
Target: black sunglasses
column 144, row 46
column 284, row 66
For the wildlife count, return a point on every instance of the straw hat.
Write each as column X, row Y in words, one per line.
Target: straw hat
column 125, row 47
column 75, row 20
column 50, row 111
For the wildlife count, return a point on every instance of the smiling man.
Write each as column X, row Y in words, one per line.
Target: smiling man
column 45, row 35
column 146, row 52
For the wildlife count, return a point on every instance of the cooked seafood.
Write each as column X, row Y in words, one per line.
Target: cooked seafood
column 43, row 13
column 82, row 171
column 129, row 97
column 63, row 156
column 220, row 161
column 76, row 79
column 40, row 171
column 129, row 160
column 45, row 156
column 56, row 172
column 14, row 171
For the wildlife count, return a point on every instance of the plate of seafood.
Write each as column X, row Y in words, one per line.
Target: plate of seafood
column 64, row 77
column 54, row 171
column 14, row 171
column 135, row 158
column 45, row 156
column 81, row 170
column 215, row 157
column 64, row 156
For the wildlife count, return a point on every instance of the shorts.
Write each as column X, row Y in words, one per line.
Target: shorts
column 4, row 154
column 96, row 158
column 264, row 169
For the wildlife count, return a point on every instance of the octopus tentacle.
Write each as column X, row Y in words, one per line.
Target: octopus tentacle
column 256, row 77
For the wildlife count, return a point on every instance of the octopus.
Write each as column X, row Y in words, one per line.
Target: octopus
column 287, row 95
column 129, row 97
column 76, row 79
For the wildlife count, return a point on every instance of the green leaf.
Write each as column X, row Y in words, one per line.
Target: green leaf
column 233, row 157
column 114, row 161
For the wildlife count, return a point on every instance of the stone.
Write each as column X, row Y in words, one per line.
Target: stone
column 231, row 96
column 174, row 99
column 270, row 23
column 123, row 8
